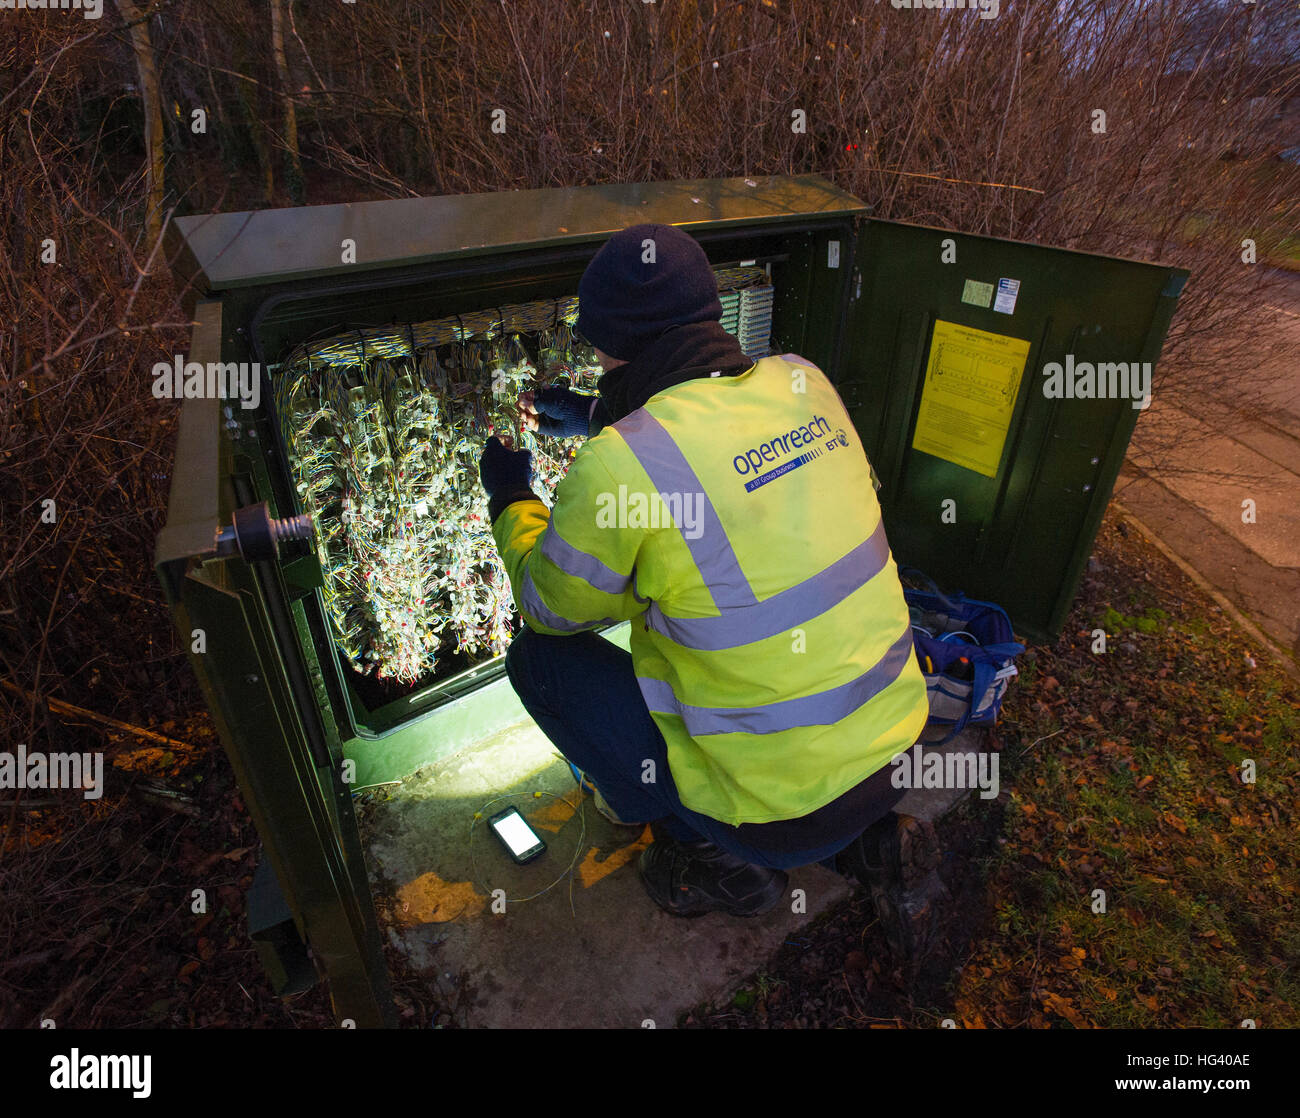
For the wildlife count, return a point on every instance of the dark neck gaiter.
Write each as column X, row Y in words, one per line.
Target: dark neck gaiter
column 682, row 353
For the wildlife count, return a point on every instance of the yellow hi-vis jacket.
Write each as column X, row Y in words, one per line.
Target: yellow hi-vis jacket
column 734, row 520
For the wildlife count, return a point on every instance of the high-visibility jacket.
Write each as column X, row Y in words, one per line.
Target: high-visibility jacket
column 733, row 520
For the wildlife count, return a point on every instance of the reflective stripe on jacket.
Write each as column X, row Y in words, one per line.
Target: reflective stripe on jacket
column 735, row 519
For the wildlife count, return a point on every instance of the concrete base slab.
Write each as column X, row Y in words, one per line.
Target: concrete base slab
column 592, row 951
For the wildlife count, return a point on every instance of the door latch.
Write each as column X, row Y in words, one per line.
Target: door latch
column 255, row 534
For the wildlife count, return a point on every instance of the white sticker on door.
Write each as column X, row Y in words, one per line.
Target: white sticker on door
column 1008, row 290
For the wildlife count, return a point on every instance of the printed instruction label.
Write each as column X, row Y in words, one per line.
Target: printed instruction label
column 971, row 384
column 1008, row 290
column 976, row 293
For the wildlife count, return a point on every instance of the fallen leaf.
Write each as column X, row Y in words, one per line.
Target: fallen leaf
column 1063, row 1007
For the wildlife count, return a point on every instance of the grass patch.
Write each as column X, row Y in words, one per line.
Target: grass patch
column 1162, row 887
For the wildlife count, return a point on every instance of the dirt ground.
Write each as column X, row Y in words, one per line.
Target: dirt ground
column 99, row 928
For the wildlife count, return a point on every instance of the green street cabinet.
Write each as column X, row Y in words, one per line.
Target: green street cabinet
column 958, row 358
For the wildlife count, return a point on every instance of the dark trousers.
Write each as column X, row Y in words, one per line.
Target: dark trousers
column 582, row 691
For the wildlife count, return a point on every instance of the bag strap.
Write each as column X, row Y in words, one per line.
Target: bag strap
column 980, row 683
column 984, row 678
column 960, row 724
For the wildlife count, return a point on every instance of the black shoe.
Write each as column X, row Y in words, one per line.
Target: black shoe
column 897, row 859
column 692, row 878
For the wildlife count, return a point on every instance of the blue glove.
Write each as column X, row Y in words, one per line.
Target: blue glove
column 562, row 412
column 507, row 475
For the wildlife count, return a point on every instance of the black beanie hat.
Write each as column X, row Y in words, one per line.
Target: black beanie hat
column 644, row 281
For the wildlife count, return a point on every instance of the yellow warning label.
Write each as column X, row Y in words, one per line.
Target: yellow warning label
column 970, row 392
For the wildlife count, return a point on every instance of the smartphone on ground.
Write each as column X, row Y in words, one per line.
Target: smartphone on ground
column 520, row 840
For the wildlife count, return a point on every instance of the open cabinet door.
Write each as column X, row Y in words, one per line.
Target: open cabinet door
column 992, row 484
column 310, row 906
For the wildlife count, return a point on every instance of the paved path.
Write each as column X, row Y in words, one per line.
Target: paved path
column 1190, row 493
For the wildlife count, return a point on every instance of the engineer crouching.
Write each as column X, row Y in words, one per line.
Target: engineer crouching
column 725, row 507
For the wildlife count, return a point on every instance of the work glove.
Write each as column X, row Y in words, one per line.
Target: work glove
column 560, row 411
column 506, row 474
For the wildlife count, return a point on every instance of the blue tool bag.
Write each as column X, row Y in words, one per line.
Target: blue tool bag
column 966, row 651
